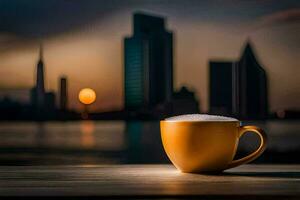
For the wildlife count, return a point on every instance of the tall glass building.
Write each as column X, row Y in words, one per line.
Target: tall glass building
column 148, row 60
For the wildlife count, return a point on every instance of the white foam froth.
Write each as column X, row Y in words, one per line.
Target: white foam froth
column 199, row 117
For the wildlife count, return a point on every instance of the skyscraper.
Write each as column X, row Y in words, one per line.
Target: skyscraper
column 63, row 98
column 221, row 87
column 251, row 88
column 38, row 92
column 239, row 88
column 148, row 63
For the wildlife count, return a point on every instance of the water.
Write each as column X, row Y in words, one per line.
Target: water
column 106, row 142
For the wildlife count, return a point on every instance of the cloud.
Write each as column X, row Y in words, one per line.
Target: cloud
column 280, row 17
column 11, row 41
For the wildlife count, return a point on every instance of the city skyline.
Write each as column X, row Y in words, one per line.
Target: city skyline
column 96, row 61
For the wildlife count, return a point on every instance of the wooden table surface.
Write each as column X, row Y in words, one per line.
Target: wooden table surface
column 266, row 181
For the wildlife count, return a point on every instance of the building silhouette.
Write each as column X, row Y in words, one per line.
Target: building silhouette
column 184, row 102
column 221, row 87
column 251, row 89
column 148, row 63
column 38, row 91
column 63, row 98
column 239, row 88
column 50, row 105
column 42, row 101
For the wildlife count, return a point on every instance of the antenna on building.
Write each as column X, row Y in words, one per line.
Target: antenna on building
column 41, row 52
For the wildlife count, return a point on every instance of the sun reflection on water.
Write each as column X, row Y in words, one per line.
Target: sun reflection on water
column 87, row 129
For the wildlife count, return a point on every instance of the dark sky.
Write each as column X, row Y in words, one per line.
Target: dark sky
column 35, row 18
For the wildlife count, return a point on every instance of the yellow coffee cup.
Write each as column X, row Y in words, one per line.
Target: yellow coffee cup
column 206, row 146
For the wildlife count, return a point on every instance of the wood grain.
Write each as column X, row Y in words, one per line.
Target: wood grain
column 148, row 180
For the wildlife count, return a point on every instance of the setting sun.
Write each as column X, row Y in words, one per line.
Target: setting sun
column 87, row 96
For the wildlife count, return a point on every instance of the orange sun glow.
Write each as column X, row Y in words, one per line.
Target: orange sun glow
column 87, row 96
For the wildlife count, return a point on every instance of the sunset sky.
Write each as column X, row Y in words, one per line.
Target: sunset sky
column 84, row 41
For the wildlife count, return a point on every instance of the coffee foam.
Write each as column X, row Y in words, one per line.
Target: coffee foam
column 199, row 117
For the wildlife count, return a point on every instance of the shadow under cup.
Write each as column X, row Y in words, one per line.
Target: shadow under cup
column 206, row 146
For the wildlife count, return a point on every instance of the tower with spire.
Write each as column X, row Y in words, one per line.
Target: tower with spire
column 40, row 85
column 38, row 91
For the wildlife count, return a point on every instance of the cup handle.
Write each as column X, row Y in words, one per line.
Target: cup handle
column 263, row 144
